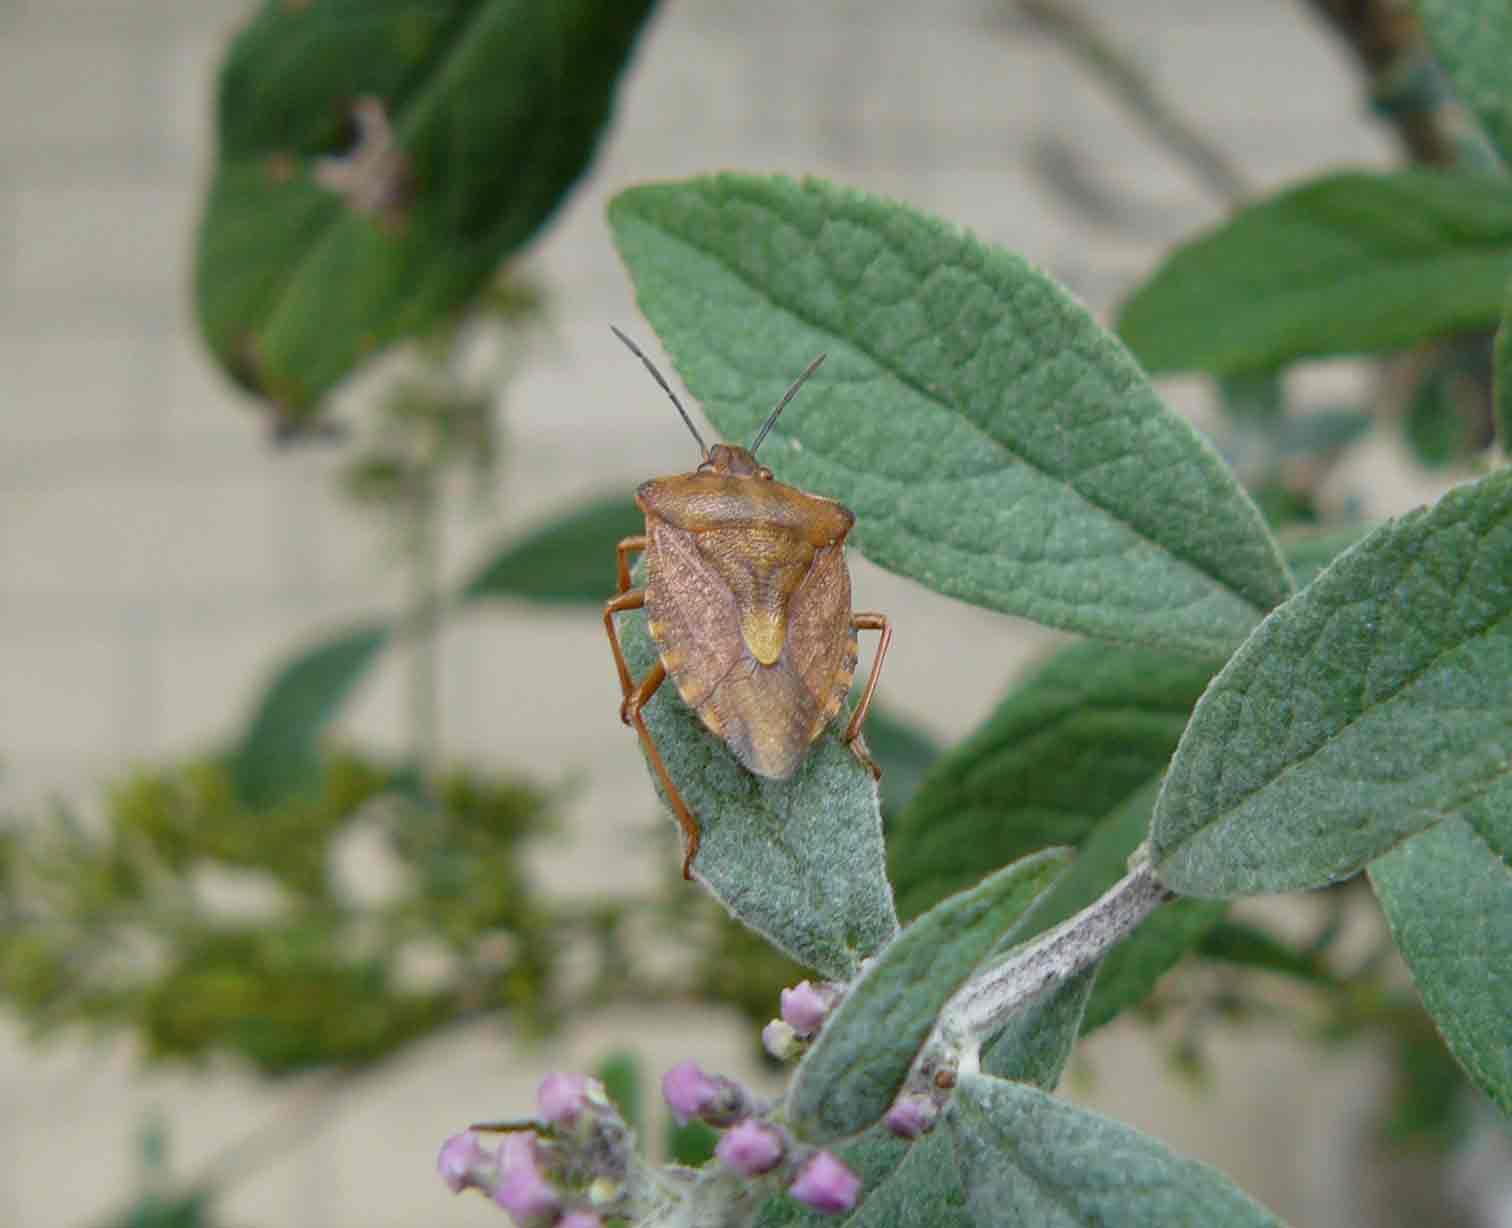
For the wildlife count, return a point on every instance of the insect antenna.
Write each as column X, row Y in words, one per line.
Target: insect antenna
column 657, row 376
column 782, row 404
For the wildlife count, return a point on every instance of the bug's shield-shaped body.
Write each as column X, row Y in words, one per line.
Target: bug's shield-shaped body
column 748, row 599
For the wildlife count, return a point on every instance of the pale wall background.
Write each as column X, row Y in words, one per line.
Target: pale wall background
column 156, row 554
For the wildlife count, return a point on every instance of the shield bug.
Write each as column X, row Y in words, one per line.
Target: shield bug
column 748, row 601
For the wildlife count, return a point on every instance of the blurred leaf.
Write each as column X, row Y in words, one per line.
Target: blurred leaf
column 1345, row 264
column 692, row 1143
column 279, row 755
column 620, row 1073
column 1473, row 41
column 993, row 441
column 1434, row 429
column 1249, row 946
column 903, row 752
column 1061, row 753
column 567, row 561
column 1372, row 705
column 852, row 1074
column 1448, row 896
column 158, row 1211
column 1502, row 380
column 376, row 162
column 1321, row 432
column 1027, row 1158
column 1255, row 395
column 800, row 861
column 1308, row 553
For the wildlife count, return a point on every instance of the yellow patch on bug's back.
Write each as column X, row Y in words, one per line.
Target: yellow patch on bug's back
column 764, row 632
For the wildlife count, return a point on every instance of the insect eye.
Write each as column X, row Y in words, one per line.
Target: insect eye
column 764, row 474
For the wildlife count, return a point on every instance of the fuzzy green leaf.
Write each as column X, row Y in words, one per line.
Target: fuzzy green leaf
column 1448, row 897
column 1473, row 41
column 800, row 861
column 1349, row 263
column 1035, row 1045
column 1027, row 1158
column 566, row 561
column 1369, row 707
column 925, row 1190
column 1059, row 755
column 993, row 441
column 494, row 107
column 853, row 1073
column 278, row 757
column 875, row 1156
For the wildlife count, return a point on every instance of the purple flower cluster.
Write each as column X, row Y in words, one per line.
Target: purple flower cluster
column 556, row 1174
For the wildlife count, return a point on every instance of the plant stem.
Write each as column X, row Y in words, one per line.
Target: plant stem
column 989, row 1000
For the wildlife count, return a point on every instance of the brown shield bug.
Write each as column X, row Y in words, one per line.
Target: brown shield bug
column 748, row 601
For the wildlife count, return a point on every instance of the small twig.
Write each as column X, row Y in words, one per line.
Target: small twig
column 993, row 997
column 1080, row 36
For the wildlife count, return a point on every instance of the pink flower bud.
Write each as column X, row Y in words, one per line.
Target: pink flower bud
column 750, row 1148
column 911, row 1116
column 688, row 1091
column 580, row 1219
column 464, row 1164
column 562, row 1098
column 826, row 1185
column 804, row 1007
column 523, row 1190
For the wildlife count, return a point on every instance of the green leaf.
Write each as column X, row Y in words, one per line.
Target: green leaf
column 620, row 1073
column 567, row 561
column 1027, row 1158
column 903, row 752
column 1247, row 946
column 1035, row 1045
column 874, row 1155
column 1502, row 381
column 1375, row 703
column 924, row 1192
column 494, row 107
column 691, row 1143
column 1473, row 41
column 993, row 441
column 278, row 757
column 1059, row 755
column 1349, row 263
column 1129, row 972
column 800, row 861
column 851, row 1076
column 1448, row 897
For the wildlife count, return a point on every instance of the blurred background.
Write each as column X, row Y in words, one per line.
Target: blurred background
column 163, row 549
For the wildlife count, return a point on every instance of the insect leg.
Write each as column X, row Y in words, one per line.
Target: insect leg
column 868, row 622
column 632, row 600
column 622, row 552
column 655, row 676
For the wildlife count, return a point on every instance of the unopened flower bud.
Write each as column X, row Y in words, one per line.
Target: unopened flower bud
column 562, row 1098
column 911, row 1116
column 779, row 1039
column 804, row 1007
column 750, row 1148
column 523, row 1190
column 464, row 1163
column 826, row 1185
column 689, row 1091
